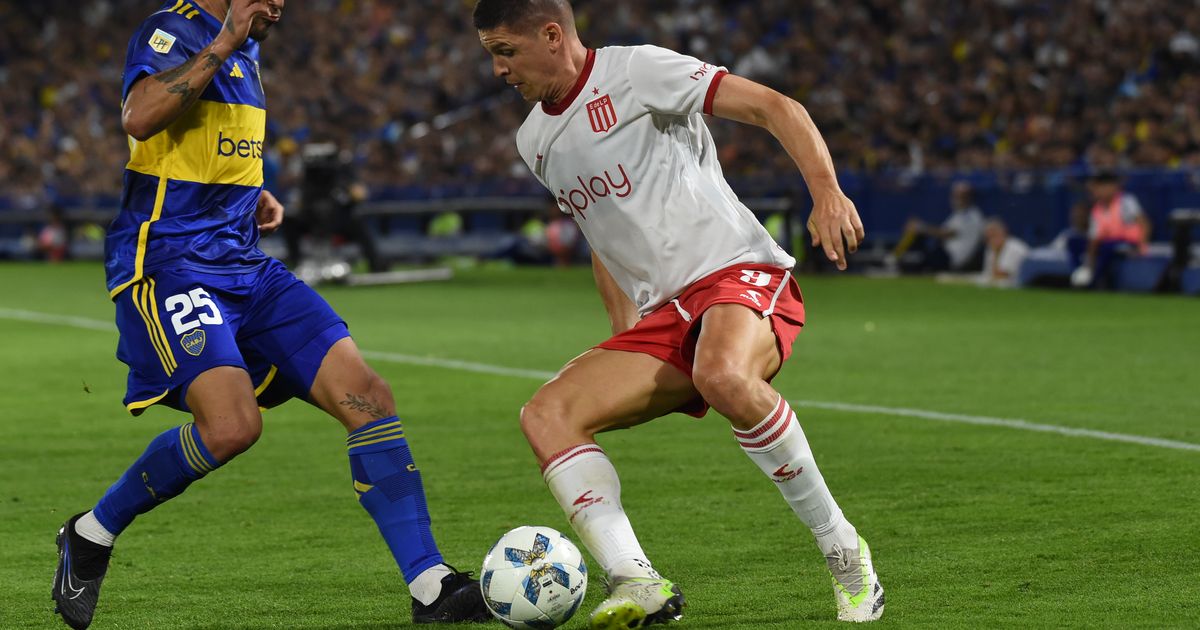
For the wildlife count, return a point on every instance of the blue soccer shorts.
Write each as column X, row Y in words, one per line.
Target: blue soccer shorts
column 176, row 324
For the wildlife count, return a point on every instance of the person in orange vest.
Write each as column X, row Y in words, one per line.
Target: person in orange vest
column 1118, row 229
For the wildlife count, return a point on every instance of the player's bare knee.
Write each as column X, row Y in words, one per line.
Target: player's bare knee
column 232, row 434
column 721, row 384
column 380, row 390
column 542, row 417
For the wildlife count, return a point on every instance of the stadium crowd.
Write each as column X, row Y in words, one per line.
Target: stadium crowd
column 405, row 89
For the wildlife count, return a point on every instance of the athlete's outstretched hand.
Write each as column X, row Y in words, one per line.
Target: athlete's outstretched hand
column 834, row 224
column 240, row 17
column 269, row 214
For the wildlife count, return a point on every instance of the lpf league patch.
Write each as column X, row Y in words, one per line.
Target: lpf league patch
column 161, row 41
column 193, row 342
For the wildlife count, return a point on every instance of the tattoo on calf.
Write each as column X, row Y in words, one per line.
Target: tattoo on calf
column 366, row 405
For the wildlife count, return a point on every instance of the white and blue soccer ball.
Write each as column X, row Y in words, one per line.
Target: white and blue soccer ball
column 533, row 577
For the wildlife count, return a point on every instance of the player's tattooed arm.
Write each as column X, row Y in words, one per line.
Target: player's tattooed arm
column 181, row 86
column 151, row 106
column 366, row 405
column 156, row 101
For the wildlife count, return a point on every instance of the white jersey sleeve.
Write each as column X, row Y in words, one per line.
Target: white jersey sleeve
column 667, row 82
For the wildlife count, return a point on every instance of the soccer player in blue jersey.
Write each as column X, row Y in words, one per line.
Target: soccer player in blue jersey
column 212, row 326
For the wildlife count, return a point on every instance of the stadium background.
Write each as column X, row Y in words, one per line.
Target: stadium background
column 1017, row 458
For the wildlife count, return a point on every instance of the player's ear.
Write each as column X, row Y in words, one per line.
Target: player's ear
column 552, row 33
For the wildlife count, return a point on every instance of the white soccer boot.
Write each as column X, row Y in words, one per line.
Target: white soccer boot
column 638, row 602
column 855, row 584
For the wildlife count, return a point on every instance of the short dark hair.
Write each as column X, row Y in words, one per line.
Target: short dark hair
column 522, row 14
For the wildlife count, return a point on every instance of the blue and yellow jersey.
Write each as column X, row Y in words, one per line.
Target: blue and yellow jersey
column 191, row 190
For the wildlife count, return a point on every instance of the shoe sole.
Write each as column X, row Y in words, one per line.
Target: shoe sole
column 619, row 617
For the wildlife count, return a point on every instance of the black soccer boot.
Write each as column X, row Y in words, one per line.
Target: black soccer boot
column 81, row 568
column 460, row 600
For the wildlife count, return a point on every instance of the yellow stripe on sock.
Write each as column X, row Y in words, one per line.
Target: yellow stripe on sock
column 368, row 443
column 193, row 452
column 374, row 431
column 375, row 437
column 184, row 432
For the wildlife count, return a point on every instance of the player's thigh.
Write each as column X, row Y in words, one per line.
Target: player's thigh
column 606, row 389
column 348, row 389
column 735, row 340
column 292, row 328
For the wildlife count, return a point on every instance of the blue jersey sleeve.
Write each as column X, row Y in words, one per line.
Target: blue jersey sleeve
column 164, row 41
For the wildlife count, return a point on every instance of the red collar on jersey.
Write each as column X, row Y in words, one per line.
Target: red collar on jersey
column 554, row 109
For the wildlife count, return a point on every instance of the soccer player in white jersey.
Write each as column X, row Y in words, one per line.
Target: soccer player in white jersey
column 701, row 301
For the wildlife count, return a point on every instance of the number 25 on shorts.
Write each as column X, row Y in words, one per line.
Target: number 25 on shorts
column 196, row 303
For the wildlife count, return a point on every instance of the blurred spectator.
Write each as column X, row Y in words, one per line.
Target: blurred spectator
column 1118, row 229
column 955, row 245
column 53, row 237
column 921, row 86
column 1073, row 240
column 1003, row 255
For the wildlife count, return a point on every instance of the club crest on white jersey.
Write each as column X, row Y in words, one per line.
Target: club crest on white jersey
column 602, row 114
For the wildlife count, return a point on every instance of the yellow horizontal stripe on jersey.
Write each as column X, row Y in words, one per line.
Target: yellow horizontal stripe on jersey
column 210, row 143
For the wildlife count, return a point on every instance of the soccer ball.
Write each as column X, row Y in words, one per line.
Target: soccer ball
column 533, row 577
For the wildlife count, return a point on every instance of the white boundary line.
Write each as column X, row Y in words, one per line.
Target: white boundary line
column 541, row 375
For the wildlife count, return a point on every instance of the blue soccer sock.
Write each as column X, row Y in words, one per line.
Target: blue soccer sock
column 389, row 487
column 170, row 464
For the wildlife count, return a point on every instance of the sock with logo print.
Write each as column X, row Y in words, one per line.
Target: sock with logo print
column 778, row 446
column 586, row 486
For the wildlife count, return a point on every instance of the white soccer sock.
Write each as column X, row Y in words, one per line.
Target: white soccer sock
column 427, row 586
column 91, row 529
column 585, row 484
column 778, row 446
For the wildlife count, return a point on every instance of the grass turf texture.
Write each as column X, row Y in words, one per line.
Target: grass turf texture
column 971, row 526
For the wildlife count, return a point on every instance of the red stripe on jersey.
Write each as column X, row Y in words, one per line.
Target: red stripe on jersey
column 781, row 409
column 566, row 455
column 712, row 91
column 554, row 109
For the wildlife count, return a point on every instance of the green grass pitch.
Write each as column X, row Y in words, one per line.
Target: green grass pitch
column 972, row 526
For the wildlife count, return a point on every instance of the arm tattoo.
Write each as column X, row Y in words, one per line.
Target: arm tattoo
column 186, row 93
column 168, row 76
column 366, row 405
column 211, row 60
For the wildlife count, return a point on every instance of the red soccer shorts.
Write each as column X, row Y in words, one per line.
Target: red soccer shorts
column 669, row 333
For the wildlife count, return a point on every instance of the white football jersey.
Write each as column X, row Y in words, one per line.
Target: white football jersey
column 628, row 155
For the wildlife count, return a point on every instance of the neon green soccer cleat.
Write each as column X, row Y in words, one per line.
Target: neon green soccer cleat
column 855, row 584
column 638, row 602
